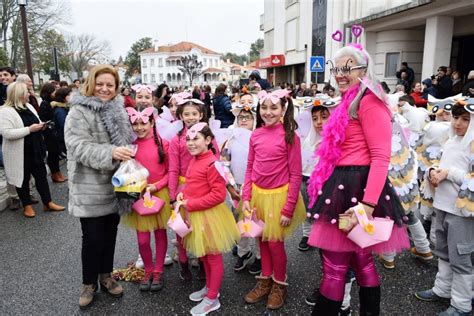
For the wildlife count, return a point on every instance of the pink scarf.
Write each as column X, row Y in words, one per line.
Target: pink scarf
column 329, row 150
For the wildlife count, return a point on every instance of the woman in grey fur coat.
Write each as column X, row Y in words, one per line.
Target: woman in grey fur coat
column 96, row 133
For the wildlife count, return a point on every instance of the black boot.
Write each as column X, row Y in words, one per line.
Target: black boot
column 369, row 298
column 326, row 307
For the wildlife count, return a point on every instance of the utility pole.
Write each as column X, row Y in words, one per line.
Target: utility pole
column 26, row 41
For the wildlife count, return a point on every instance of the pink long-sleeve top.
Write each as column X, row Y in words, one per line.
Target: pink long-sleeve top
column 205, row 187
column 147, row 155
column 273, row 163
column 180, row 157
column 368, row 143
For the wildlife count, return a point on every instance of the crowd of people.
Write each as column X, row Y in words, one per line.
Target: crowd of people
column 344, row 165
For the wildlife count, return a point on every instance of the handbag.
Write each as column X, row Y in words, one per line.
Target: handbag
column 369, row 232
column 176, row 222
column 148, row 205
column 251, row 226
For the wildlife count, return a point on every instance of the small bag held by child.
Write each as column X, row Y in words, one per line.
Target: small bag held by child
column 148, row 205
column 177, row 224
column 130, row 180
column 250, row 226
column 368, row 233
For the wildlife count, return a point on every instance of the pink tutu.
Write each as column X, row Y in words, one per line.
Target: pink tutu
column 328, row 236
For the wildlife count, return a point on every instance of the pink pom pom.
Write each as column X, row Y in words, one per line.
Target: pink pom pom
column 320, row 192
column 364, row 190
column 333, row 221
column 308, row 215
column 340, row 187
column 327, row 201
column 390, row 185
column 354, row 200
column 316, row 216
column 387, row 197
column 405, row 218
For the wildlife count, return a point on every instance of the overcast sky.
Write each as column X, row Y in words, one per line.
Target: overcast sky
column 214, row 24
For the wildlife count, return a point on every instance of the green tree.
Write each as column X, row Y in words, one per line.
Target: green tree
column 191, row 67
column 3, row 57
column 42, row 51
column 255, row 49
column 132, row 60
column 234, row 58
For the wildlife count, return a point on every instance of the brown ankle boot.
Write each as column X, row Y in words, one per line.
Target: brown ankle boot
column 277, row 296
column 87, row 295
column 29, row 212
column 58, row 177
column 109, row 285
column 260, row 291
column 53, row 207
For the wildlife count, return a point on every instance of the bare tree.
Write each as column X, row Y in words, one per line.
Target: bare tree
column 42, row 15
column 85, row 48
column 191, row 66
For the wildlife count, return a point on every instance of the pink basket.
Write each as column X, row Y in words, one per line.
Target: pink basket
column 148, row 205
column 177, row 224
column 251, row 227
column 368, row 233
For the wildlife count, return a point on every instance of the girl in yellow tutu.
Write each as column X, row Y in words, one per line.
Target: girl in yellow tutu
column 213, row 226
column 152, row 153
column 272, row 189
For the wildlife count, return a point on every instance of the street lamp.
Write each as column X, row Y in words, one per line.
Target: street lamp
column 248, row 54
column 26, row 41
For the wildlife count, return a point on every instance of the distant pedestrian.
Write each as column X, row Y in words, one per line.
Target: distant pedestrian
column 223, row 106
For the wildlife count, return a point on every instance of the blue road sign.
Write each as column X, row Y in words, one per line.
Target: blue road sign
column 317, row 64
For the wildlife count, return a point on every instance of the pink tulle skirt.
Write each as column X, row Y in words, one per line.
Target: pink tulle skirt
column 328, row 236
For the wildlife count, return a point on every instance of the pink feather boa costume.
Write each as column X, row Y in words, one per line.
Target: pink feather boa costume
column 329, row 150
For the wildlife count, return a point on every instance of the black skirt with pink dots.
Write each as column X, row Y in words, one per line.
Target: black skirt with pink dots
column 345, row 188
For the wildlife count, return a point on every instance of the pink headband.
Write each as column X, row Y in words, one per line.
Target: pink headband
column 144, row 115
column 139, row 87
column 183, row 101
column 179, row 97
column 275, row 96
column 192, row 132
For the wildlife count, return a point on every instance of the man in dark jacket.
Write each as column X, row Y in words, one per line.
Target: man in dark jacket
column 255, row 76
column 223, row 107
column 442, row 83
column 410, row 74
column 7, row 76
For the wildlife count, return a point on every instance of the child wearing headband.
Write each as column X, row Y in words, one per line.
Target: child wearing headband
column 272, row 189
column 190, row 111
column 453, row 182
column 214, row 230
column 152, row 153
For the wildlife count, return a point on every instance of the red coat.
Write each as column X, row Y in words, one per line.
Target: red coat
column 419, row 101
column 128, row 101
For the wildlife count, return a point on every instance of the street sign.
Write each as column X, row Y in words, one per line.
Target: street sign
column 317, row 64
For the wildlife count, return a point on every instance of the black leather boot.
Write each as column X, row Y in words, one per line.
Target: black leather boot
column 326, row 307
column 369, row 298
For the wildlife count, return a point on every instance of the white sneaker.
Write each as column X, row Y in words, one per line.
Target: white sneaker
column 206, row 306
column 168, row 260
column 139, row 263
column 200, row 295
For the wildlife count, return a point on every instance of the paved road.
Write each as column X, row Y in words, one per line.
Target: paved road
column 40, row 273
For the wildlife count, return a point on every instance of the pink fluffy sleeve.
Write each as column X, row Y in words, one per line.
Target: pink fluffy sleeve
column 375, row 120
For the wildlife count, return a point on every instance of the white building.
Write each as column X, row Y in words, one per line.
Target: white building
column 160, row 64
column 425, row 33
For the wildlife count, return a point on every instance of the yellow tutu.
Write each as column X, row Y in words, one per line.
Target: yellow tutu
column 150, row 223
column 214, row 231
column 269, row 203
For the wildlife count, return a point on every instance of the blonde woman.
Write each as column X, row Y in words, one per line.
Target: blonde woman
column 23, row 148
column 96, row 133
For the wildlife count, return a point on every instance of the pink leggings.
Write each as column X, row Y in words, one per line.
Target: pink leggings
column 214, row 268
column 335, row 266
column 182, row 255
column 161, row 243
column 273, row 259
